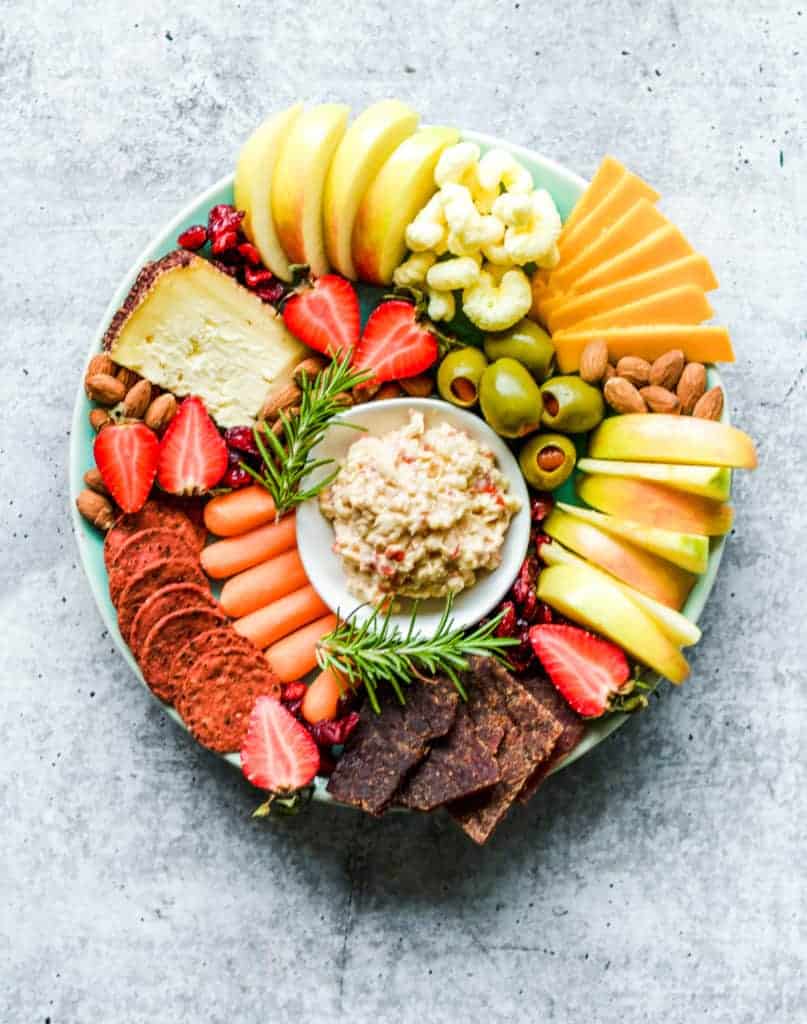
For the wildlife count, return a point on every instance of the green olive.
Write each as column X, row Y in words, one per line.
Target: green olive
column 459, row 375
column 571, row 405
column 547, row 461
column 528, row 344
column 510, row 399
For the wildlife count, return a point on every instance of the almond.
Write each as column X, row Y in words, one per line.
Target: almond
column 309, row 368
column 137, row 400
column 160, row 412
column 280, row 398
column 608, row 374
column 104, row 389
column 661, row 400
column 667, row 369
column 594, row 361
column 96, row 509
column 710, row 405
column 99, row 418
column 364, row 393
column 95, row 482
column 418, row 387
column 344, row 398
column 622, row 396
column 691, row 386
column 634, row 369
column 100, row 364
column 389, row 390
column 127, row 377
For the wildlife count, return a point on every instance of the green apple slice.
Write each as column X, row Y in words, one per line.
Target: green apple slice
column 656, row 505
column 708, row 481
column 638, row 437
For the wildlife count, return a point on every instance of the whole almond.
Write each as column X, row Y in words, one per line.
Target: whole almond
column 127, row 377
column 137, row 400
column 660, row 400
column 594, row 361
column 99, row 418
column 634, row 369
column 100, row 364
column 622, row 396
column 160, row 412
column 344, row 398
column 418, row 387
column 608, row 374
column 364, row 393
column 96, row 509
column 95, row 482
column 667, row 369
column 389, row 390
column 104, row 389
column 691, row 386
column 309, row 368
column 280, row 398
column 710, row 405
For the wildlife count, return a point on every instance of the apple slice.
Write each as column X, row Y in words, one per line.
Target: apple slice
column 678, row 628
column 688, row 550
column 399, row 191
column 677, row 439
column 655, row 505
column 299, row 180
column 601, row 606
column 645, row 572
column 253, row 187
column 708, row 481
column 363, row 151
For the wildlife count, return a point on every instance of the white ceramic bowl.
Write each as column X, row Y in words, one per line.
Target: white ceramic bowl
column 315, row 533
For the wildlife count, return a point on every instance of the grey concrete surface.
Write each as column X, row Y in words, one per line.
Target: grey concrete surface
column 660, row 879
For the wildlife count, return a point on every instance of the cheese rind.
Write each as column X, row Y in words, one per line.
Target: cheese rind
column 684, row 305
column 700, row 344
column 192, row 329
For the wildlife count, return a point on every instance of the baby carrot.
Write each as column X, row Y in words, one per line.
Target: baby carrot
column 321, row 699
column 256, row 587
column 234, row 554
column 267, row 625
column 228, row 515
column 296, row 655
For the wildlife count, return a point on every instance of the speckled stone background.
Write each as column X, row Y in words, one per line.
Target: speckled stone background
column 660, row 879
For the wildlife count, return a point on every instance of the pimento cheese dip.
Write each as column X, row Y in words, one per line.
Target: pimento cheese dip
column 418, row 513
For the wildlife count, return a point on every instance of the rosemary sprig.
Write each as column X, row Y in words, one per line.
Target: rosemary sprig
column 286, row 463
column 375, row 651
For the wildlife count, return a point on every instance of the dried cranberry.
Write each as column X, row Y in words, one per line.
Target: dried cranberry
column 540, row 540
column 295, row 706
column 336, row 731
column 224, row 218
column 250, row 253
column 242, row 439
column 529, row 607
column 223, row 242
column 521, row 657
column 272, row 293
column 545, row 613
column 507, row 626
column 257, row 278
column 194, row 238
column 235, row 477
column 292, row 692
column 540, row 507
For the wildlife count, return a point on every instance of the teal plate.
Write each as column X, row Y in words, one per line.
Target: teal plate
column 565, row 188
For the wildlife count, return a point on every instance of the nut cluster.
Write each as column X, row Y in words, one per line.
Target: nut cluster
column 668, row 385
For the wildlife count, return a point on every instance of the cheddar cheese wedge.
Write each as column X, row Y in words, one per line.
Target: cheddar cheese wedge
column 656, row 249
column 684, row 305
column 608, row 174
column 701, row 344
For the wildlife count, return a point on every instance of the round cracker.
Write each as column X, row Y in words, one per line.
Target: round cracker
column 170, row 598
column 217, row 698
column 150, row 579
column 153, row 515
column 165, row 638
column 141, row 549
column 222, row 638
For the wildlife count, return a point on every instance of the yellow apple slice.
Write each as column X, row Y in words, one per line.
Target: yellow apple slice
column 640, row 569
column 690, row 551
column 708, row 481
column 253, row 187
column 679, row 439
column 299, row 181
column 361, row 154
column 655, row 505
column 678, row 628
column 399, row 191
column 601, row 606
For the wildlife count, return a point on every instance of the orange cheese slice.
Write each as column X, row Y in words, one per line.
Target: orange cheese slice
column 640, row 220
column 684, row 305
column 608, row 174
column 628, row 191
column 567, row 311
column 700, row 344
column 656, row 249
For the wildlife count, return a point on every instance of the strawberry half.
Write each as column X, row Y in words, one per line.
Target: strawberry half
column 394, row 344
column 325, row 315
column 193, row 454
column 278, row 752
column 587, row 670
column 126, row 456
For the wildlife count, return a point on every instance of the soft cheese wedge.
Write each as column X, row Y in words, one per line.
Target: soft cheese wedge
column 596, row 603
column 299, row 181
column 707, row 481
column 656, row 505
column 678, row 628
column 364, row 149
column 191, row 329
column 253, row 187
column 690, row 551
column 678, row 439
